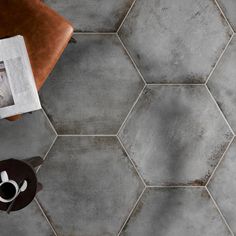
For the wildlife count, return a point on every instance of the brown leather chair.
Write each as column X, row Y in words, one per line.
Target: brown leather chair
column 46, row 33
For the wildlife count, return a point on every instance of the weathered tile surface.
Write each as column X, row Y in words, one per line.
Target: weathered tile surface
column 175, row 41
column 222, row 84
column 30, row 136
column 229, row 8
column 92, row 88
column 93, row 15
column 223, row 186
column 175, row 135
column 180, row 212
column 89, row 186
column 27, row 222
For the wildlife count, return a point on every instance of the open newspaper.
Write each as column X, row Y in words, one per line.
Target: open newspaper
column 18, row 93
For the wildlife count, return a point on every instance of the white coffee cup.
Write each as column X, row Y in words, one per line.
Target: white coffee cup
column 8, row 188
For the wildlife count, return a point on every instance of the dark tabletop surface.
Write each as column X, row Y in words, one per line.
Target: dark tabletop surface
column 19, row 170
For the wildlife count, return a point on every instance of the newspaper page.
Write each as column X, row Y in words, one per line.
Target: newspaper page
column 18, row 93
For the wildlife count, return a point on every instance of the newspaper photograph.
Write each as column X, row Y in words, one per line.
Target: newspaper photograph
column 6, row 96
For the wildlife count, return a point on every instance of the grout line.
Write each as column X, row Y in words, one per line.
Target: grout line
column 144, row 81
column 86, row 135
column 140, row 176
column 132, row 60
column 136, row 203
column 175, row 186
column 219, row 59
column 50, row 147
column 220, row 161
column 172, row 84
column 49, row 122
column 131, row 109
column 126, row 16
column 223, row 14
column 45, row 156
column 220, row 110
column 45, row 216
column 222, row 216
column 94, row 33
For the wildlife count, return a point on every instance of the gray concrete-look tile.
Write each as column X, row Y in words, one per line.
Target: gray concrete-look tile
column 223, row 186
column 30, row 136
column 222, row 83
column 180, row 211
column 92, row 88
column 26, row 222
column 175, row 135
column 175, row 41
column 89, row 186
column 229, row 8
column 93, row 15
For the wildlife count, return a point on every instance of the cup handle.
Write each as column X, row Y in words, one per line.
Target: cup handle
column 4, row 176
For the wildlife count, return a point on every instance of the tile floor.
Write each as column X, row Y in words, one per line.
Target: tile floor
column 138, row 124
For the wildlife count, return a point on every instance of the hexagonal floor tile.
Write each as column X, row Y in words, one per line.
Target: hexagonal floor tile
column 175, row 211
column 223, row 186
column 175, row 41
column 229, row 8
column 89, row 185
column 26, row 222
column 30, row 136
column 175, row 135
column 93, row 15
column 92, row 88
column 222, row 84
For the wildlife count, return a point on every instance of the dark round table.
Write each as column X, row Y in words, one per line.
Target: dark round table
column 18, row 170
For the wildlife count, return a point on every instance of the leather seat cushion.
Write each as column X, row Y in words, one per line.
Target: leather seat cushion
column 46, row 33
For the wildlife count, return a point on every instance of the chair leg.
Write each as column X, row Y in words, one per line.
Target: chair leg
column 72, row 40
column 34, row 161
column 39, row 187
